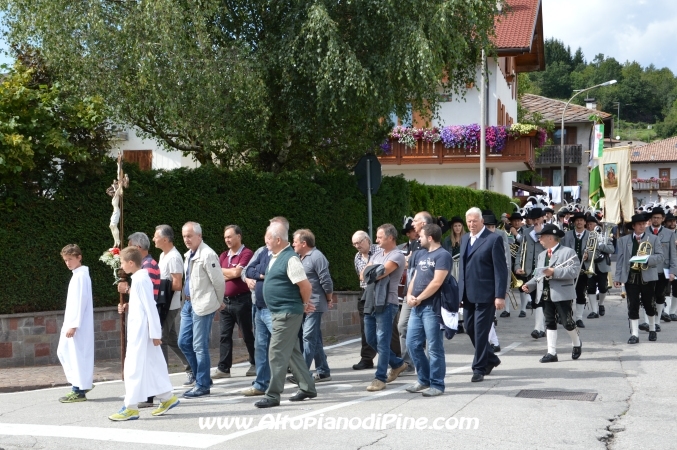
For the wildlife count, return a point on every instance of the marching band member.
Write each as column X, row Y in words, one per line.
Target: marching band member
column 577, row 239
column 549, row 215
column 555, row 290
column 533, row 248
column 602, row 265
column 639, row 279
column 670, row 223
column 667, row 271
column 517, row 230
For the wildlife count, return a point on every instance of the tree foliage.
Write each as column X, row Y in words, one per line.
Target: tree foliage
column 45, row 131
column 275, row 85
column 645, row 94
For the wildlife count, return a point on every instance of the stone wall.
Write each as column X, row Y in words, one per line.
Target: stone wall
column 31, row 339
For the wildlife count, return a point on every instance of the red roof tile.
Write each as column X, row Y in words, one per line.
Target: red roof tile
column 551, row 109
column 659, row 151
column 515, row 28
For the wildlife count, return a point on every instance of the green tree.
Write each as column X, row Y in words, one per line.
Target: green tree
column 276, row 85
column 668, row 127
column 46, row 132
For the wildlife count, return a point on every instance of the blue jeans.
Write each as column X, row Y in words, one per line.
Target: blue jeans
column 263, row 328
column 313, row 347
column 424, row 325
column 194, row 343
column 378, row 329
column 78, row 391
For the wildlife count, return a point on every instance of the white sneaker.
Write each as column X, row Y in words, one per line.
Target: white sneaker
column 217, row 373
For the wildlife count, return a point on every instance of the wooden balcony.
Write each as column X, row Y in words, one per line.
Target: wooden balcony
column 515, row 153
column 551, row 155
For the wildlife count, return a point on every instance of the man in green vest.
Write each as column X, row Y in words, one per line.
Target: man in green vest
column 287, row 292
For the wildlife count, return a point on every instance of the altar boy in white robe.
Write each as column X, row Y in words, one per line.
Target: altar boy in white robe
column 76, row 344
column 145, row 368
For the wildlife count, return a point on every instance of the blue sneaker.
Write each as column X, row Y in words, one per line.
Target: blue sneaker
column 196, row 392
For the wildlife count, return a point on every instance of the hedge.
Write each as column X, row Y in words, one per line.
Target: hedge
column 32, row 236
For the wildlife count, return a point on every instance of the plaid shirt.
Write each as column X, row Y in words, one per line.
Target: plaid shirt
column 360, row 263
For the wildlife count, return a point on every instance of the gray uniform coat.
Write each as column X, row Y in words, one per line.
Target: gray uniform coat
column 562, row 283
column 533, row 248
column 625, row 253
column 667, row 239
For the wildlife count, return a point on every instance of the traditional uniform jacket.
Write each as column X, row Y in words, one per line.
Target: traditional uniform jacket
column 667, row 239
column 602, row 249
column 625, row 253
column 533, row 249
column 562, row 283
column 569, row 240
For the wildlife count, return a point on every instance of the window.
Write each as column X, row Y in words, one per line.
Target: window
column 633, row 174
column 144, row 158
column 664, row 174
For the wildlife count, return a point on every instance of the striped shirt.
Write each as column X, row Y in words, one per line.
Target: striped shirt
column 153, row 272
column 361, row 263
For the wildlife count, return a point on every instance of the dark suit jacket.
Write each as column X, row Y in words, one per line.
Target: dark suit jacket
column 485, row 270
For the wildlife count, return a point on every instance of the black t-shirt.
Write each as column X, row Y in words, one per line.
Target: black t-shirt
column 426, row 263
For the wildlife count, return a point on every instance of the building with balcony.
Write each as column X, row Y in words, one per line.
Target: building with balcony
column 519, row 48
column 578, row 139
column 654, row 172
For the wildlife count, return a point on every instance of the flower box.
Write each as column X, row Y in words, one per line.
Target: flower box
column 653, row 185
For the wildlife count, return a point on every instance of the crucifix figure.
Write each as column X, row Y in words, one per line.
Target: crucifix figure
column 116, row 190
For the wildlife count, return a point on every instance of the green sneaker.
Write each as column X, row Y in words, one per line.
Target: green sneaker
column 125, row 414
column 166, row 406
column 73, row 397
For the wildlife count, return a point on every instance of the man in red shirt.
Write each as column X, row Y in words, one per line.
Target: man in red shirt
column 238, row 301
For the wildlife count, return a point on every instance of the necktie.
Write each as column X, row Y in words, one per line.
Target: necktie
column 655, row 231
column 549, row 252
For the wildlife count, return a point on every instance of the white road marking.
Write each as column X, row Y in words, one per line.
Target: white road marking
column 169, row 438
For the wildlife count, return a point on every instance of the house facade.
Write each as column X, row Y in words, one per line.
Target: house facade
column 578, row 140
column 519, row 48
column 147, row 153
column 654, row 172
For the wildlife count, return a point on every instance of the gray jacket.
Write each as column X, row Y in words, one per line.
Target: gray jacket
column 625, row 253
column 602, row 250
column 562, row 283
column 667, row 239
column 317, row 270
column 533, row 248
column 375, row 295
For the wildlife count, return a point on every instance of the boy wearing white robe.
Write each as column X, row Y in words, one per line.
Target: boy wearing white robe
column 145, row 368
column 76, row 343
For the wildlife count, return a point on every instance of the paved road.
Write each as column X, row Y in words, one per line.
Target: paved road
column 633, row 407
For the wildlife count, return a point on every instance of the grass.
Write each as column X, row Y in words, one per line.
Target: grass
column 635, row 131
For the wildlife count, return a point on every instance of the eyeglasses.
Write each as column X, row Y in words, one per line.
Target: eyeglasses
column 358, row 242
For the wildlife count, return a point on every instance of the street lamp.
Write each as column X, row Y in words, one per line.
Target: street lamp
column 561, row 133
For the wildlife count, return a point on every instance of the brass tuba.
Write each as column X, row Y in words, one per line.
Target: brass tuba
column 645, row 249
column 593, row 238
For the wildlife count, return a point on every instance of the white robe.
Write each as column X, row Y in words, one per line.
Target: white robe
column 145, row 367
column 76, row 354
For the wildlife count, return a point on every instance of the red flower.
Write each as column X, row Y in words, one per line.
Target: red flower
column 115, row 251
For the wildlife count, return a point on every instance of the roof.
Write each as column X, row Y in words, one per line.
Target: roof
column 515, row 29
column 659, row 151
column 525, row 187
column 519, row 34
column 551, row 109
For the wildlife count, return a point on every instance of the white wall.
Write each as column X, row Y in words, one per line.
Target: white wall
column 162, row 159
column 651, row 169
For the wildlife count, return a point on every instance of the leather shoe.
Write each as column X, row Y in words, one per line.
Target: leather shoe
column 196, row 392
column 529, row 305
column 633, row 340
column 658, row 328
column 362, row 365
column 476, row 377
column 292, row 379
column 644, row 326
column 541, row 334
column 549, row 358
column 522, row 314
column 665, row 317
column 673, row 317
column 266, row 403
column 593, row 315
column 302, row 395
column 495, row 348
column 505, row 314
column 490, row 367
column 602, row 311
column 580, row 324
column 652, row 336
column 535, row 334
column 576, row 352
column 460, row 329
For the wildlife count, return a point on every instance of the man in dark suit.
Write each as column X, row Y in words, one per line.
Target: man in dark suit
column 482, row 284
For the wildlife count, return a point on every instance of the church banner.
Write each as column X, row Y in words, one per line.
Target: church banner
column 614, row 171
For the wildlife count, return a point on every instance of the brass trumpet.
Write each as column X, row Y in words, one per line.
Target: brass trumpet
column 644, row 249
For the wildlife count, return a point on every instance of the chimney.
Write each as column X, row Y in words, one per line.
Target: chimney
column 591, row 103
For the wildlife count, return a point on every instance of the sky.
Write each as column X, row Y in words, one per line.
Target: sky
column 628, row 30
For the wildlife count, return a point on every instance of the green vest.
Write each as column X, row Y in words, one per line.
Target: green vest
column 282, row 296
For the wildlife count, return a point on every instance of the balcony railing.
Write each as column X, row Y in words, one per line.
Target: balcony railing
column 654, row 185
column 573, row 154
column 519, row 150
